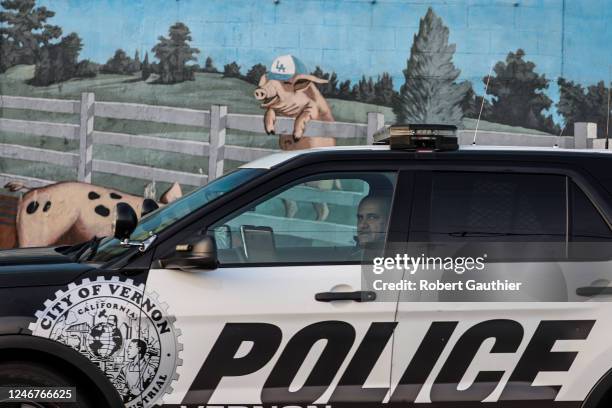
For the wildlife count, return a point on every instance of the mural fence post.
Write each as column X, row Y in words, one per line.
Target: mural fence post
column 86, row 137
column 218, row 121
column 376, row 121
column 582, row 132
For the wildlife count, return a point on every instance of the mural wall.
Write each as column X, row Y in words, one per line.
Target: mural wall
column 525, row 66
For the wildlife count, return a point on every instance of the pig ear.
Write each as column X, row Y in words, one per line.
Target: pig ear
column 263, row 80
column 308, row 77
column 173, row 193
column 301, row 82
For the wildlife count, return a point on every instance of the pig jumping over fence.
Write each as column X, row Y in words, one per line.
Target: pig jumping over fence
column 288, row 90
column 298, row 98
column 72, row 212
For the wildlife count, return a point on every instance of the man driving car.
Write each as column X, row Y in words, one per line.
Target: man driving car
column 372, row 218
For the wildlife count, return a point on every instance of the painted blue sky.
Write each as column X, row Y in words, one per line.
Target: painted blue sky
column 355, row 37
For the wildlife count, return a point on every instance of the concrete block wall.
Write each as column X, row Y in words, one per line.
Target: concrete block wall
column 361, row 37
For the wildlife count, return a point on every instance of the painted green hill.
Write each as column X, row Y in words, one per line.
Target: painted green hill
column 207, row 89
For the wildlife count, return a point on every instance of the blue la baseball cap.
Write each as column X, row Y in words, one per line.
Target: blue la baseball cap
column 283, row 68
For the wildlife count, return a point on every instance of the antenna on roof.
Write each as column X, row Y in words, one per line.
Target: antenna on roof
column 560, row 135
column 482, row 104
column 608, row 120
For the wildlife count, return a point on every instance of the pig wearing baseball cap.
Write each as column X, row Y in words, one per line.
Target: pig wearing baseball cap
column 287, row 89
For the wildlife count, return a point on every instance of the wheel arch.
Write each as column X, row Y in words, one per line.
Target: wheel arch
column 600, row 393
column 37, row 349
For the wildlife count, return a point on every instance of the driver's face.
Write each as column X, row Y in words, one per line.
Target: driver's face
column 372, row 217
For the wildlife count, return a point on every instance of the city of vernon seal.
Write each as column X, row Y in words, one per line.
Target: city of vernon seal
column 124, row 330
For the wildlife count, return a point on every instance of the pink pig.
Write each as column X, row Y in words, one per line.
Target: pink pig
column 296, row 98
column 72, row 212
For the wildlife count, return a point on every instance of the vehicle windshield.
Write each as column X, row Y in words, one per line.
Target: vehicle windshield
column 159, row 219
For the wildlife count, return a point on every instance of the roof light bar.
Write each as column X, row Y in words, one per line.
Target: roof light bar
column 417, row 137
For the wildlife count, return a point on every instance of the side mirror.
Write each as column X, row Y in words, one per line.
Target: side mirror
column 199, row 253
column 125, row 221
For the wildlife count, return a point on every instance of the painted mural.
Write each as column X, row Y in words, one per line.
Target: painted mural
column 525, row 66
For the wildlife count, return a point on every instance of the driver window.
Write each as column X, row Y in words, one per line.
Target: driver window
column 327, row 218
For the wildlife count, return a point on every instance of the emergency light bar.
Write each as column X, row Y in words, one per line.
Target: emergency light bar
column 419, row 137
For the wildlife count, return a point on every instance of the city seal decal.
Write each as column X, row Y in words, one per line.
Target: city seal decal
column 124, row 330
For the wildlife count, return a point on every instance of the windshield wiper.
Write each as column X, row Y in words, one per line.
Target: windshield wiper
column 88, row 250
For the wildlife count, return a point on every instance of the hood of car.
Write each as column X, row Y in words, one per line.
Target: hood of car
column 28, row 256
column 37, row 266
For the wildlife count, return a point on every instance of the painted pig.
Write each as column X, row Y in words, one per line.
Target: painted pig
column 288, row 90
column 72, row 212
column 296, row 98
column 8, row 212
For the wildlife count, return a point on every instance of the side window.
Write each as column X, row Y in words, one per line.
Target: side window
column 327, row 218
column 505, row 216
column 587, row 224
column 487, row 207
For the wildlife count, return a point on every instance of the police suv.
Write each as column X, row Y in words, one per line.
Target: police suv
column 250, row 291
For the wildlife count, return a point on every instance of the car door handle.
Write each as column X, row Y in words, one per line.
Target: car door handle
column 358, row 296
column 594, row 290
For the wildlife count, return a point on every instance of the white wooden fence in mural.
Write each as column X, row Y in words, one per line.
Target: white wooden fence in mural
column 217, row 120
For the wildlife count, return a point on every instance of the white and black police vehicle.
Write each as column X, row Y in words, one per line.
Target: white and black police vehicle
column 248, row 291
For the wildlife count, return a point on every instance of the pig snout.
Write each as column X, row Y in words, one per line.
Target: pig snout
column 267, row 96
column 260, row 94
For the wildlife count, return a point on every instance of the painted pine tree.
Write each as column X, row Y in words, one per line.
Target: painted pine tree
column 430, row 93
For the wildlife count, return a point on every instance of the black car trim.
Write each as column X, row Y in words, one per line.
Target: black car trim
column 401, row 209
column 41, row 274
column 14, row 324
